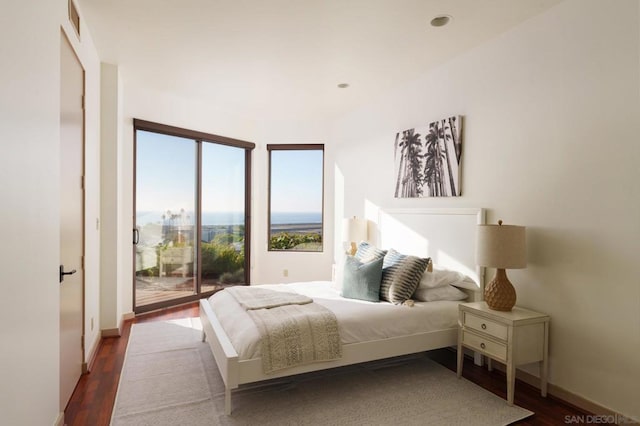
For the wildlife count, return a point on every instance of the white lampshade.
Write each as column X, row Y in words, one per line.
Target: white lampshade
column 501, row 246
column 354, row 230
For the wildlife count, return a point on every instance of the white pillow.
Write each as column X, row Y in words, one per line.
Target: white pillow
column 467, row 283
column 439, row 278
column 446, row 292
column 443, row 277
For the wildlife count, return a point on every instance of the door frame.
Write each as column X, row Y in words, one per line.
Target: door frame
column 64, row 38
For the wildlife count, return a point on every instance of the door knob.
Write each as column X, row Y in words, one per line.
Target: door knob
column 63, row 273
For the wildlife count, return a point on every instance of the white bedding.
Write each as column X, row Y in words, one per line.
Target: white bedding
column 358, row 321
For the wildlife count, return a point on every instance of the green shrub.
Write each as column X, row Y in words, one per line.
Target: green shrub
column 287, row 241
column 228, row 238
column 220, row 258
column 154, row 271
column 232, row 277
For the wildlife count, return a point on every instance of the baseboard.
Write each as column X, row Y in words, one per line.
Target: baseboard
column 87, row 366
column 598, row 412
column 111, row 332
column 117, row 332
column 59, row 420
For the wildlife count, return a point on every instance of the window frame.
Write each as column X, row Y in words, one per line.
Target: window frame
column 199, row 138
column 294, row 147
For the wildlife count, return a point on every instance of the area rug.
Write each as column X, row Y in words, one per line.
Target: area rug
column 169, row 377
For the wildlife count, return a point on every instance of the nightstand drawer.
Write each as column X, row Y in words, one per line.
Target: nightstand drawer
column 481, row 344
column 487, row 326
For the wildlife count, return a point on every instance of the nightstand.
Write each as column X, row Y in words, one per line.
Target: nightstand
column 517, row 337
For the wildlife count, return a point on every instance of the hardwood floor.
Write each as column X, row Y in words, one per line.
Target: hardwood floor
column 92, row 401
column 548, row 411
column 93, row 398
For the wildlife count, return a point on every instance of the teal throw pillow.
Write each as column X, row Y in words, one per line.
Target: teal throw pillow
column 362, row 280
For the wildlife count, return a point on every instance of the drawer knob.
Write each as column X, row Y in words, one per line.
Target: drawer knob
column 484, row 326
column 482, row 345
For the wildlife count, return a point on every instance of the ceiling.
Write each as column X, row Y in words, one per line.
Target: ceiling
column 283, row 59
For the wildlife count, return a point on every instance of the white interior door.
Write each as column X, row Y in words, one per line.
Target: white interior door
column 71, row 220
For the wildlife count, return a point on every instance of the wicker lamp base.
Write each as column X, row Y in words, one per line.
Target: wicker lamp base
column 499, row 293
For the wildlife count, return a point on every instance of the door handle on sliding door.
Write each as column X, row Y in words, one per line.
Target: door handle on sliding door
column 136, row 236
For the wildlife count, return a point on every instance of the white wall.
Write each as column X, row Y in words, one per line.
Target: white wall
column 551, row 122
column 29, row 172
column 110, row 291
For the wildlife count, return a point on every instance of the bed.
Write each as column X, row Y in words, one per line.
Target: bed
column 369, row 331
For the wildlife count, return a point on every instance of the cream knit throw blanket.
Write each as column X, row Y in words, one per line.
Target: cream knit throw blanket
column 293, row 330
column 255, row 297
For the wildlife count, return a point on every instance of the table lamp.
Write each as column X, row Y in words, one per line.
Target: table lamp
column 501, row 247
column 354, row 230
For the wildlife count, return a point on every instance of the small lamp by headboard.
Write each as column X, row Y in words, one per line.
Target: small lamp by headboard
column 353, row 231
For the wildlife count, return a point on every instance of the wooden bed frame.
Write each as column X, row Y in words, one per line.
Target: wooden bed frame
column 450, row 243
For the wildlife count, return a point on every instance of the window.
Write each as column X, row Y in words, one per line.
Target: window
column 192, row 214
column 296, row 197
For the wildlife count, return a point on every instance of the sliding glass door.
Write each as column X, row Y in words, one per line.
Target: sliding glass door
column 191, row 234
column 223, row 216
column 165, row 266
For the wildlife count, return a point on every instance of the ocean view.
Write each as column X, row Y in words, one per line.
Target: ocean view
column 227, row 218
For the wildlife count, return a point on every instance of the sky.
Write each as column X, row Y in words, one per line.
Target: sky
column 166, row 174
column 296, row 181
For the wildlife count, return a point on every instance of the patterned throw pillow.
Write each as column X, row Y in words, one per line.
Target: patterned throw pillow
column 362, row 280
column 366, row 252
column 400, row 276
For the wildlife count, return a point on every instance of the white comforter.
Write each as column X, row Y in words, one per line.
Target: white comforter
column 358, row 321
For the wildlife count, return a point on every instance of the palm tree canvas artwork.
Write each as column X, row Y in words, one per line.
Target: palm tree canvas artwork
column 427, row 160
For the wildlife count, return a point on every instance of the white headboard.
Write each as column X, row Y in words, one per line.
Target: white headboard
column 448, row 236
